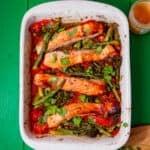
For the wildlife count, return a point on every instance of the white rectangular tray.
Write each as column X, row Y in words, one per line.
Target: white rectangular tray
column 74, row 11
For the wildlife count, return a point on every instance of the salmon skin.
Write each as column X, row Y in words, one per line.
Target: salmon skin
column 77, row 109
column 53, row 59
column 89, row 29
column 84, row 86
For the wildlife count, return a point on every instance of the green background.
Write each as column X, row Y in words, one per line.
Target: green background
column 11, row 16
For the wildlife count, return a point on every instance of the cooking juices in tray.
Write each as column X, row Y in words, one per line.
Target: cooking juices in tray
column 75, row 72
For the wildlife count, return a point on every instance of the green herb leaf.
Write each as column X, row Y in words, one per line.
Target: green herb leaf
column 52, row 100
column 91, row 120
column 65, row 61
column 41, row 120
column 125, row 124
column 89, row 70
column 77, row 45
column 77, row 121
column 61, row 29
column 98, row 49
column 83, row 98
column 61, row 111
column 64, row 131
column 72, row 32
column 54, row 79
column 65, row 51
column 51, row 110
column 54, row 58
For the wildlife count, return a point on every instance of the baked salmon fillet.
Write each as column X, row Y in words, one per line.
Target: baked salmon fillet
column 77, row 109
column 84, row 86
column 88, row 29
column 54, row 59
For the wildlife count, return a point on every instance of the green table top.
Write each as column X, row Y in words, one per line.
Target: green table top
column 11, row 16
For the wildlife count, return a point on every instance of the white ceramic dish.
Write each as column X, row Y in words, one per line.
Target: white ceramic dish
column 74, row 11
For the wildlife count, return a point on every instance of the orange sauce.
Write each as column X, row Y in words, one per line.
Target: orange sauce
column 142, row 12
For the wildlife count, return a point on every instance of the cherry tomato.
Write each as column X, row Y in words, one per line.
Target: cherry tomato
column 43, row 67
column 40, row 128
column 101, row 38
column 118, row 47
column 86, row 64
column 114, row 132
column 36, row 114
column 37, row 26
column 107, row 122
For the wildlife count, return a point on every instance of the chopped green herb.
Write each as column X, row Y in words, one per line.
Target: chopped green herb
column 72, row 32
column 52, row 100
column 77, row 45
column 51, row 110
column 65, row 61
column 61, row 29
column 83, row 98
column 77, row 121
column 65, row 51
column 91, row 120
column 41, row 120
column 62, row 131
column 125, row 124
column 98, row 49
column 54, row 79
column 89, row 70
column 61, row 111
column 54, row 58
column 87, row 43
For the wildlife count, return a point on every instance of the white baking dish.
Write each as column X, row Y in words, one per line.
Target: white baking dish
column 73, row 11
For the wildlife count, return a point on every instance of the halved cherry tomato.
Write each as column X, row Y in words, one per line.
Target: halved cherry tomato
column 40, row 128
column 37, row 26
column 101, row 38
column 36, row 114
column 114, row 132
column 86, row 64
column 43, row 67
column 106, row 122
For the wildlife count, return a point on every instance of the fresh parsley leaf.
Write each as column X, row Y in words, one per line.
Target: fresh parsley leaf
column 89, row 70
column 51, row 110
column 61, row 111
column 83, row 98
column 77, row 121
column 65, row 61
column 91, row 120
column 98, row 49
column 41, row 120
column 52, row 100
column 72, row 32
column 54, row 79
column 61, row 29
column 65, row 51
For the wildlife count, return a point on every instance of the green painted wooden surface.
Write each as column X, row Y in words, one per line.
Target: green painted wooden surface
column 11, row 15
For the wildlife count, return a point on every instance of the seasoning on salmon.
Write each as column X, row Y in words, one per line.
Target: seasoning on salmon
column 88, row 29
column 54, row 59
column 77, row 109
column 84, row 86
